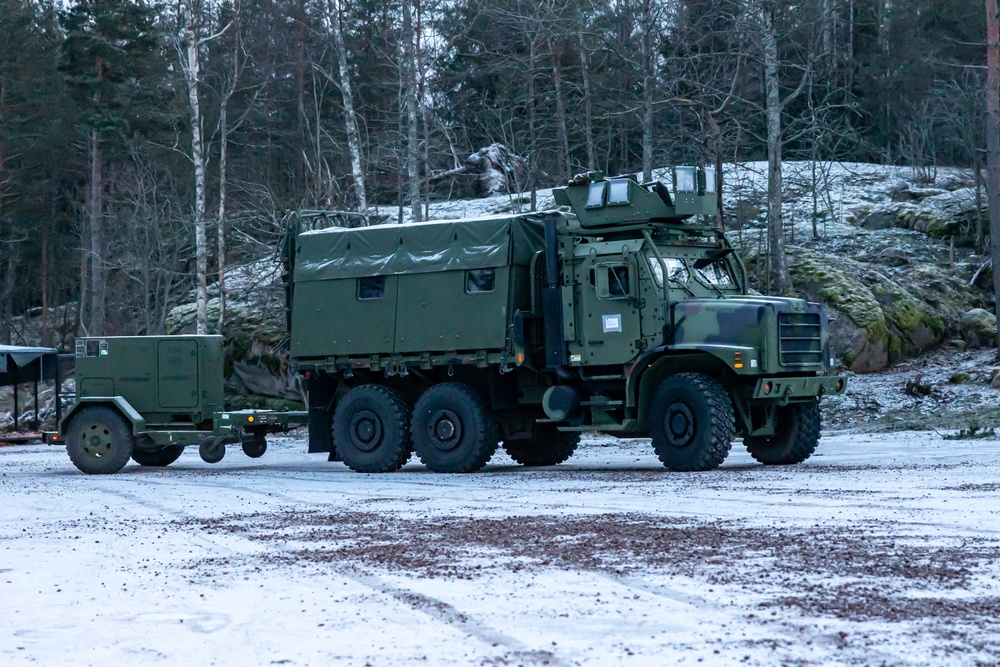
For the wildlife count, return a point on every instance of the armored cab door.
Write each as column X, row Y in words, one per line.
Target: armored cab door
column 607, row 315
column 177, row 377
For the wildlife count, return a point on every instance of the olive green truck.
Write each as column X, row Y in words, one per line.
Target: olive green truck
column 619, row 312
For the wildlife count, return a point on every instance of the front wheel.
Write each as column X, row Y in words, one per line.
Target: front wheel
column 796, row 436
column 692, row 422
column 99, row 440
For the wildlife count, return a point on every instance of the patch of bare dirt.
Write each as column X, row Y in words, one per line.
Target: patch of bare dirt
column 852, row 573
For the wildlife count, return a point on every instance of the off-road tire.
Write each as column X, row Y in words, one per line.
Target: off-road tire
column 692, row 422
column 157, row 458
column 256, row 448
column 453, row 428
column 796, row 436
column 371, row 429
column 548, row 447
column 98, row 440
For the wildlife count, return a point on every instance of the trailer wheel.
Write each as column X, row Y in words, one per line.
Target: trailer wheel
column 157, row 458
column 795, row 438
column 453, row 428
column 370, row 429
column 548, row 447
column 692, row 422
column 99, row 440
column 257, row 447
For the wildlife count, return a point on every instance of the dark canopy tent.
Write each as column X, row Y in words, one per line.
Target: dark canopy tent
column 30, row 364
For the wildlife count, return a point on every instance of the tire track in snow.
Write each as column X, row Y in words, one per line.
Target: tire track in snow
column 430, row 607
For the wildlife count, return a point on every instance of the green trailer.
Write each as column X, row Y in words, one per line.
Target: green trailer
column 149, row 397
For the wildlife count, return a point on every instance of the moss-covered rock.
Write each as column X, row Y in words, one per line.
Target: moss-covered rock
column 937, row 213
column 877, row 319
column 979, row 328
column 256, row 360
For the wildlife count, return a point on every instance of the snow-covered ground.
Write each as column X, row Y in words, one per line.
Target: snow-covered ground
column 880, row 550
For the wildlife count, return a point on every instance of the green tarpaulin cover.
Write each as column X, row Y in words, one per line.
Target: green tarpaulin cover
column 423, row 247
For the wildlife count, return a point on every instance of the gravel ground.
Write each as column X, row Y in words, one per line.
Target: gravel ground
column 880, row 550
column 957, row 395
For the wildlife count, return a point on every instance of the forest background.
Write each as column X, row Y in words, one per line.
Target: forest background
column 146, row 145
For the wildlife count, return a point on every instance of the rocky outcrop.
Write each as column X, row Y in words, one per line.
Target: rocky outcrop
column 979, row 328
column 939, row 213
column 256, row 358
column 877, row 319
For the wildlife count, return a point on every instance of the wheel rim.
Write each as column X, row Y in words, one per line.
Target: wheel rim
column 445, row 430
column 366, row 430
column 679, row 425
column 96, row 441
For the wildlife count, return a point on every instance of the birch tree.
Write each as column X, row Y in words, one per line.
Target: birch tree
column 409, row 82
column 191, row 66
column 350, row 121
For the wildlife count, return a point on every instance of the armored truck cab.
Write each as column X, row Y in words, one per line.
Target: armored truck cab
column 618, row 312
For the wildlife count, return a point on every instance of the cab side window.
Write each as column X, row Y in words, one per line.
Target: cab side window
column 371, row 288
column 480, row 280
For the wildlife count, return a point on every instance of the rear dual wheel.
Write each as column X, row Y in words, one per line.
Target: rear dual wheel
column 371, row 429
column 453, row 428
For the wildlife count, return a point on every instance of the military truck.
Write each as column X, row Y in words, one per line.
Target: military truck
column 622, row 312
column 146, row 398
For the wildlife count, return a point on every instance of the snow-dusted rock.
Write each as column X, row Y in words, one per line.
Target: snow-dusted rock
column 979, row 328
column 935, row 212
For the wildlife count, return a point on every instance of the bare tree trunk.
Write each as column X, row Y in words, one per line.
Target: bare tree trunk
column 351, row 123
column 425, row 115
column 588, row 110
column 192, row 75
column 562, row 132
column 412, row 127
column 993, row 141
column 45, row 284
column 776, row 230
column 223, row 156
column 532, row 124
column 300, row 99
column 98, row 279
column 647, row 89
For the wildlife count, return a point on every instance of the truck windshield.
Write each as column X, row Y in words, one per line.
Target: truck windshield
column 716, row 274
column 677, row 272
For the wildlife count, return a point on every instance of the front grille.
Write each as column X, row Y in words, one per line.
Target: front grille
column 800, row 339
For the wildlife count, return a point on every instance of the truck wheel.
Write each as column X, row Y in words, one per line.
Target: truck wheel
column 548, row 447
column 99, row 440
column 453, row 428
column 692, row 422
column 370, row 429
column 796, row 436
column 157, row 458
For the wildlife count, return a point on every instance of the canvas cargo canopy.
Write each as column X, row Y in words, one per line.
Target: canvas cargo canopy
column 423, row 247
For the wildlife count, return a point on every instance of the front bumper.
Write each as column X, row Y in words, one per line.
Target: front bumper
column 784, row 389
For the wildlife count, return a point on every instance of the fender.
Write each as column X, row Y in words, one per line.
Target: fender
column 117, row 402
